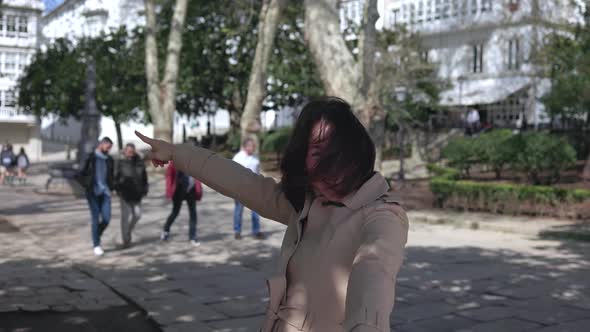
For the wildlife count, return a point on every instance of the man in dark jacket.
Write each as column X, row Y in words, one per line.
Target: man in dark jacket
column 97, row 177
column 132, row 185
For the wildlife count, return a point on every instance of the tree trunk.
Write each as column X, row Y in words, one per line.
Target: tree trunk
column 269, row 19
column 338, row 69
column 341, row 75
column 235, row 108
column 151, row 70
column 402, row 154
column 119, row 135
column 168, row 85
column 162, row 95
column 586, row 173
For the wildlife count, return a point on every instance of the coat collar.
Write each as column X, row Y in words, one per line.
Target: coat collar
column 370, row 191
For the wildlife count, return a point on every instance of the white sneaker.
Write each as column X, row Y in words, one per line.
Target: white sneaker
column 195, row 243
column 98, row 251
column 164, row 236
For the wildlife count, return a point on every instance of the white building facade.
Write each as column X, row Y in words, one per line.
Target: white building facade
column 19, row 31
column 485, row 48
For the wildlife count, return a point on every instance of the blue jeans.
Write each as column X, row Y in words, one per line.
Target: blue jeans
column 238, row 219
column 100, row 206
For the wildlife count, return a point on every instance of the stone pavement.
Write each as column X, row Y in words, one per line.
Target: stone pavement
column 453, row 279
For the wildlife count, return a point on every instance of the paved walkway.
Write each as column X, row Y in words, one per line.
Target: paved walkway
column 454, row 279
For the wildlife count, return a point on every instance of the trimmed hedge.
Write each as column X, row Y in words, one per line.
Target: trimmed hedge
column 541, row 156
column 494, row 197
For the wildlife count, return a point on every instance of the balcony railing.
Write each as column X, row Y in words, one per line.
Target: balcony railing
column 9, row 114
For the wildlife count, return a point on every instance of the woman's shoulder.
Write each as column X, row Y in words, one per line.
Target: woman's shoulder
column 387, row 207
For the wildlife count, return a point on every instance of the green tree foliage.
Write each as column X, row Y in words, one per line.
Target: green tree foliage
column 54, row 82
column 120, row 72
column 538, row 152
column 292, row 71
column 495, row 149
column 218, row 49
column 44, row 88
column 568, row 64
column 538, row 155
column 401, row 64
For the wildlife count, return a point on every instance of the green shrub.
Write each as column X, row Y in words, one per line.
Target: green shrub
column 445, row 187
column 462, row 153
column 496, row 149
column 533, row 153
column 540, row 152
column 443, row 172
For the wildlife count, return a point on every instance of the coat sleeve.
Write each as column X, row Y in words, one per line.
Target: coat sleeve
column 144, row 180
column 371, row 286
column 259, row 193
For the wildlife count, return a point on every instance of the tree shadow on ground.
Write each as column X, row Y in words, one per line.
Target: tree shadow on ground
column 438, row 289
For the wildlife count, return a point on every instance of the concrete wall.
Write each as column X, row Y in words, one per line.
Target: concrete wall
column 22, row 135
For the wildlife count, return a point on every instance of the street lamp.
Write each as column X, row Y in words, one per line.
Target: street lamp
column 90, row 115
column 400, row 93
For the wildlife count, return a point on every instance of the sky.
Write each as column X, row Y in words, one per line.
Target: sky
column 50, row 4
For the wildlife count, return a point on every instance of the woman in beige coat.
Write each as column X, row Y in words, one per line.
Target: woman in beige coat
column 346, row 230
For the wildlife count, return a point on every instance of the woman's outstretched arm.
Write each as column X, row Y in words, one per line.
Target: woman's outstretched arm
column 259, row 193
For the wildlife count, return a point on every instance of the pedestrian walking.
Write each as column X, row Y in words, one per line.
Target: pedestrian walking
column 131, row 182
column 181, row 187
column 346, row 231
column 7, row 164
column 22, row 164
column 97, row 177
column 247, row 159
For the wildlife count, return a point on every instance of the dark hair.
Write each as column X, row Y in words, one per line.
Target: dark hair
column 247, row 140
column 130, row 145
column 349, row 153
column 22, row 150
column 105, row 140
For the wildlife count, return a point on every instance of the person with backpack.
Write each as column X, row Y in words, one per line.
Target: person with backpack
column 131, row 182
column 22, row 164
column 7, row 163
column 182, row 187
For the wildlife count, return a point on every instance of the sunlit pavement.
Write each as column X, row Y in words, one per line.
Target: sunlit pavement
column 453, row 279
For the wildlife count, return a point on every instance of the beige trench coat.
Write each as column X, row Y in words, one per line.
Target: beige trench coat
column 351, row 265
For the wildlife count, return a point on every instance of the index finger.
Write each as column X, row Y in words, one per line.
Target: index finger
column 144, row 138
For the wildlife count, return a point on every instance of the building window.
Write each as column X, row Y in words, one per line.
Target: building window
column 424, row 56
column 477, row 58
column 9, row 99
column 437, row 9
column 486, row 5
column 473, row 7
column 394, row 16
column 428, row 10
column 1, row 24
column 405, row 14
column 513, row 54
column 464, row 7
column 421, row 12
column 446, row 8
column 455, row 8
column 23, row 23
column 412, row 14
column 10, row 25
column 9, row 62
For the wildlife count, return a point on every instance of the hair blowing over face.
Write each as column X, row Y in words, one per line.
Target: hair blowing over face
column 347, row 160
